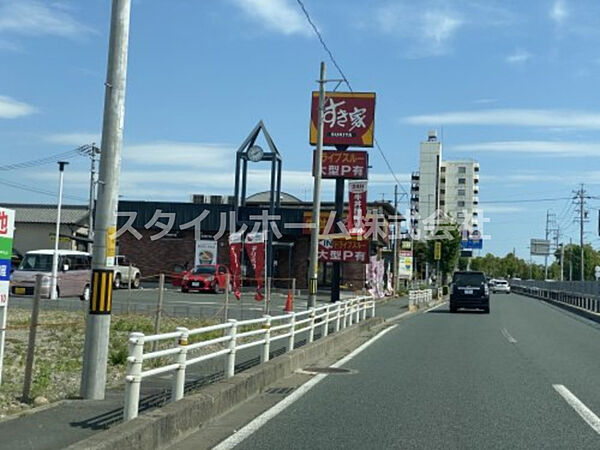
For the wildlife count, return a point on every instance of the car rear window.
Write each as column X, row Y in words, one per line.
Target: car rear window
column 469, row 278
column 502, row 282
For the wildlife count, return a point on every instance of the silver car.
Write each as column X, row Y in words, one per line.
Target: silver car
column 73, row 277
column 501, row 286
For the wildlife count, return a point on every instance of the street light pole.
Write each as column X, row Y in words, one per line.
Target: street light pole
column 95, row 352
column 316, row 210
column 54, row 279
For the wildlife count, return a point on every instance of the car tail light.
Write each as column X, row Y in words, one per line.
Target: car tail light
column 486, row 289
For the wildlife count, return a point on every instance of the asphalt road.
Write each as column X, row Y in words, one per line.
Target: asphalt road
column 464, row 381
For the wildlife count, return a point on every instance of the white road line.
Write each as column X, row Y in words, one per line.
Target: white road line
column 585, row 413
column 508, row 337
column 435, row 307
column 259, row 421
column 399, row 316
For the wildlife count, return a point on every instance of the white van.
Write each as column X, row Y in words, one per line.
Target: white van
column 74, row 273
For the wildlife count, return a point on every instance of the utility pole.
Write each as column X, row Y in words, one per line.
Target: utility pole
column 546, row 256
column 570, row 259
column 316, row 210
column 562, row 258
column 92, row 151
column 54, row 279
column 396, row 233
column 582, row 213
column 95, row 352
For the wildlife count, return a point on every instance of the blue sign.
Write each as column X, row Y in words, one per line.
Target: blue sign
column 4, row 269
column 471, row 240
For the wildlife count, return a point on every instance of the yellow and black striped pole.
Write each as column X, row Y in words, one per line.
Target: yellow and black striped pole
column 101, row 298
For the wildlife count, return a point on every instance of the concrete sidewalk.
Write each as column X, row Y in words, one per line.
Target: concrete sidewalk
column 69, row 421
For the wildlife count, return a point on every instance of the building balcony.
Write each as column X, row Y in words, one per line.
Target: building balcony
column 415, row 176
column 476, row 200
column 414, row 188
column 414, row 199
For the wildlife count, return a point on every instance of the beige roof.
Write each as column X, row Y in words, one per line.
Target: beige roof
column 35, row 213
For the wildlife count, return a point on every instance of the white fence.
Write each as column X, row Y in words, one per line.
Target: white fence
column 263, row 332
column 418, row 298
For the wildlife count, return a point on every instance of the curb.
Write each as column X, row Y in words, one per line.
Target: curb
column 162, row 426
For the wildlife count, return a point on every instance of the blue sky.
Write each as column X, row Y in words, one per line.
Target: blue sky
column 511, row 83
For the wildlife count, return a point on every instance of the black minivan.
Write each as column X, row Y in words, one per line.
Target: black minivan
column 469, row 290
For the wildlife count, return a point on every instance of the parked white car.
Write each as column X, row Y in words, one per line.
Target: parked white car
column 501, row 286
column 126, row 273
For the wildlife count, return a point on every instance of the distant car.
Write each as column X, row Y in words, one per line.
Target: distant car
column 205, row 277
column 125, row 273
column 491, row 282
column 469, row 290
column 501, row 286
column 73, row 276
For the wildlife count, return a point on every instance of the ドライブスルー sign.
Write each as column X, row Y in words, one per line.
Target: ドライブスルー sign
column 344, row 164
column 348, row 120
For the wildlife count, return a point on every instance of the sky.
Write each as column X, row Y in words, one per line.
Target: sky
column 509, row 83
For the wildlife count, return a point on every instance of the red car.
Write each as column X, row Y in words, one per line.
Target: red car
column 205, row 277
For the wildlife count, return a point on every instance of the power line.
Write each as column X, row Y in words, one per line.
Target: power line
column 36, row 190
column 41, row 161
column 345, row 79
column 531, row 200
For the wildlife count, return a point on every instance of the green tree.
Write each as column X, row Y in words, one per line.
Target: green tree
column 448, row 235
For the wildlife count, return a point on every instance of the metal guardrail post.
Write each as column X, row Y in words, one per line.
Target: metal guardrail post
column 345, row 315
column 230, row 359
column 179, row 373
column 266, row 348
column 133, row 378
column 290, row 345
column 350, row 314
column 311, row 330
column 357, row 312
column 373, row 308
column 364, row 310
column 338, row 317
column 326, row 322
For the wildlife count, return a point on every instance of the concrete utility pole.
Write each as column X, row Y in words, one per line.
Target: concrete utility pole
column 93, row 378
column 547, row 234
column 54, row 279
column 316, row 211
column 94, row 151
column 580, row 201
column 396, row 232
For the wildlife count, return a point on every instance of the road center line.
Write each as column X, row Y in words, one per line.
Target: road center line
column 259, row 421
column 585, row 413
column 508, row 337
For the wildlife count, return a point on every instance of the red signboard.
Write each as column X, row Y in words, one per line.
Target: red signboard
column 344, row 164
column 357, row 207
column 344, row 250
column 349, row 118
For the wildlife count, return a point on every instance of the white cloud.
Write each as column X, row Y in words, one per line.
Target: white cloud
column 559, row 12
column 511, row 117
column 75, row 139
column 519, row 56
column 281, row 16
column 429, row 31
column 173, row 153
column 499, row 209
column 11, row 108
column 36, row 18
column 538, row 148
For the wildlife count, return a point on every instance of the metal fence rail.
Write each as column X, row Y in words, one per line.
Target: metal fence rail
column 587, row 302
column 419, row 297
column 234, row 336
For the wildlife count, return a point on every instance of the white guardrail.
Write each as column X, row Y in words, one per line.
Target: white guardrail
column 581, row 300
column 265, row 330
column 418, row 298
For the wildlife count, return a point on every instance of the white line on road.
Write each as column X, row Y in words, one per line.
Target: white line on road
column 585, row 413
column 259, row 421
column 435, row 307
column 508, row 337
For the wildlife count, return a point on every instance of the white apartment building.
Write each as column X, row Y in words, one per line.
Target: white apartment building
column 450, row 187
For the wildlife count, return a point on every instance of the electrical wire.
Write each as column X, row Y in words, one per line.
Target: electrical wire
column 347, row 82
column 37, row 190
column 41, row 161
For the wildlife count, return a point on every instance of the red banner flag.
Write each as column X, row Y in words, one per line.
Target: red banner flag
column 357, row 207
column 235, row 250
column 255, row 248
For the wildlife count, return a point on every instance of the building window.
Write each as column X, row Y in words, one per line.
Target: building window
column 462, row 169
column 460, row 204
column 462, row 181
column 461, row 192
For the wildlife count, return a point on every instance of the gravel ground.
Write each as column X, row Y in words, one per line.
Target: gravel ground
column 58, row 354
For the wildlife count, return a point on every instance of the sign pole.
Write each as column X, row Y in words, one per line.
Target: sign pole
column 337, row 265
column 7, row 227
column 95, row 352
column 316, row 212
column 54, row 279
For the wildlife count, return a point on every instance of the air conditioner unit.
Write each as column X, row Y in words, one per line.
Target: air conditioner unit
column 200, row 198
